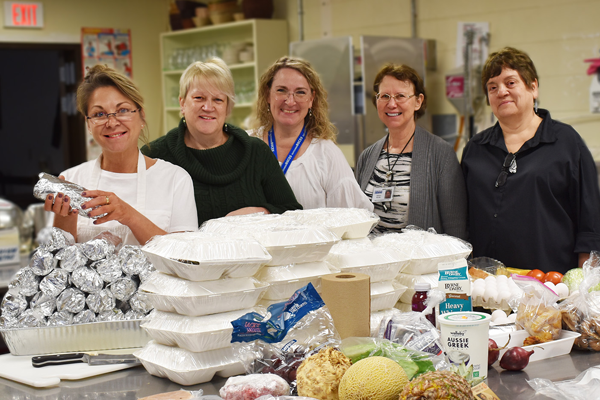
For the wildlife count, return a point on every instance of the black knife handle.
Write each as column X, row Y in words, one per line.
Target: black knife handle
column 57, row 359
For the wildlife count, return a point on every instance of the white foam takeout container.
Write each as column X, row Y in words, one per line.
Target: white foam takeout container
column 195, row 334
column 199, row 256
column 172, row 294
column 347, row 223
column 385, row 295
column 554, row 348
column 188, row 368
column 381, row 264
column 93, row 336
column 286, row 279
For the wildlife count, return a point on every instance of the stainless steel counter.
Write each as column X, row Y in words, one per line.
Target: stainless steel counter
column 135, row 383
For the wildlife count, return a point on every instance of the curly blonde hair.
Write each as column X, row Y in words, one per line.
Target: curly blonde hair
column 317, row 125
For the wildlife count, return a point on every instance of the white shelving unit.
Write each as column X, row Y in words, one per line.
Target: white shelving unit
column 269, row 39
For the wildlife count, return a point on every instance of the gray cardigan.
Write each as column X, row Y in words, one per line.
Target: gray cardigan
column 438, row 197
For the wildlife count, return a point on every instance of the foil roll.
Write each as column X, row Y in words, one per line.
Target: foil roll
column 87, row 280
column 13, row 305
column 112, row 315
column 101, row 301
column 26, row 282
column 49, row 184
column 30, row 319
column 55, row 282
column 52, row 239
column 60, row 318
column 123, row 288
column 139, row 302
column 44, row 303
column 97, row 249
column 71, row 258
column 132, row 260
column 109, row 268
column 42, row 262
column 84, row 317
column 70, row 299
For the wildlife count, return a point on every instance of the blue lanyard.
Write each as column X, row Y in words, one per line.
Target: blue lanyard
column 293, row 151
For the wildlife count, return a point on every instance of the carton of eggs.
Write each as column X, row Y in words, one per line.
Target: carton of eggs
column 494, row 292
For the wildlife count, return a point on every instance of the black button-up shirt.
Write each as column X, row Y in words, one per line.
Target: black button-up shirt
column 547, row 212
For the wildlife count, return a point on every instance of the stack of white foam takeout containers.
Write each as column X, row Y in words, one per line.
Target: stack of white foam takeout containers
column 425, row 250
column 204, row 281
column 356, row 253
column 297, row 249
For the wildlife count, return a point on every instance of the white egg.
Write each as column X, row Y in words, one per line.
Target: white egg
column 504, row 296
column 562, row 290
column 550, row 285
column 503, row 287
column 490, row 295
column 490, row 278
column 477, row 292
column 479, row 283
column 512, row 283
column 512, row 317
column 502, row 321
column 502, row 279
column 498, row 314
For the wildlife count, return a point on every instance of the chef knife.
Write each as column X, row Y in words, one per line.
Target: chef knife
column 90, row 359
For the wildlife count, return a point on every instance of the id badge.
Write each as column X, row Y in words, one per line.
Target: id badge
column 382, row 194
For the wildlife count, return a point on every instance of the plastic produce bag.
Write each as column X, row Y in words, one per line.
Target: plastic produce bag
column 413, row 362
column 279, row 341
column 581, row 310
column 537, row 311
column 583, row 387
column 253, row 386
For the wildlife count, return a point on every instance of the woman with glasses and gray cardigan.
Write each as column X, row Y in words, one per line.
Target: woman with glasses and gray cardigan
column 411, row 176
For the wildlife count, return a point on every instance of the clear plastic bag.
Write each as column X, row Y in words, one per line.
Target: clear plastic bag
column 253, row 386
column 583, row 387
column 581, row 310
column 290, row 331
column 537, row 311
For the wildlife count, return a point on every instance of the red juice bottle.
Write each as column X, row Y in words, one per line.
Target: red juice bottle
column 418, row 300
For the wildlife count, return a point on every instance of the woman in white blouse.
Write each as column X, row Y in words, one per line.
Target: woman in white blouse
column 292, row 118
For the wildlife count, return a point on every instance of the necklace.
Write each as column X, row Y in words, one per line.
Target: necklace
column 293, row 151
column 390, row 173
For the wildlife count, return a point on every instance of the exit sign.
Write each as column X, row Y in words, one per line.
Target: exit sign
column 19, row 14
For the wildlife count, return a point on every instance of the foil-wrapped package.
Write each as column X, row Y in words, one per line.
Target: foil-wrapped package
column 52, row 239
column 84, row 317
column 71, row 258
column 139, row 302
column 98, row 248
column 112, row 315
column 55, row 282
column 71, row 299
column 26, row 282
column 109, row 268
column 101, row 301
column 60, row 318
column 123, row 288
column 44, row 303
column 87, row 280
column 132, row 260
column 49, row 184
column 7, row 322
column 42, row 262
column 31, row 319
column 13, row 305
column 146, row 271
column 134, row 314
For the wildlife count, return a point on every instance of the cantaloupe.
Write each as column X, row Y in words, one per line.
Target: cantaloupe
column 373, row 378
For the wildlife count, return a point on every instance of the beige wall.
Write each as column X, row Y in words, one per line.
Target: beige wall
column 557, row 34
column 63, row 20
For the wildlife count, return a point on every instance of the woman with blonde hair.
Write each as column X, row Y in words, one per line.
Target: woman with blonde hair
column 232, row 172
column 292, row 118
column 139, row 197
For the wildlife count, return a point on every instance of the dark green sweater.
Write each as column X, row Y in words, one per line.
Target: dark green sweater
column 243, row 172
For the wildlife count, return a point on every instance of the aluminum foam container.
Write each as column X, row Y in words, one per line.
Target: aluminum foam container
column 93, row 336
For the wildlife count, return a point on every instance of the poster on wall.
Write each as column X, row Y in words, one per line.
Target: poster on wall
column 110, row 47
column 107, row 46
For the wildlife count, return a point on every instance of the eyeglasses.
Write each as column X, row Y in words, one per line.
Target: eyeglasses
column 400, row 97
column 509, row 166
column 300, row 96
column 122, row 115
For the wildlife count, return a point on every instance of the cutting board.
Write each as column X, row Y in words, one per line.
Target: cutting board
column 19, row 369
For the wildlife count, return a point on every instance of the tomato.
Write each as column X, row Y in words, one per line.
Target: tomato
column 553, row 276
column 537, row 274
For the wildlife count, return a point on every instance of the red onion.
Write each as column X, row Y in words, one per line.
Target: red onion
column 494, row 350
column 515, row 359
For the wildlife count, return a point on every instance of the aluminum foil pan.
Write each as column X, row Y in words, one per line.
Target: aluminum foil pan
column 93, row 336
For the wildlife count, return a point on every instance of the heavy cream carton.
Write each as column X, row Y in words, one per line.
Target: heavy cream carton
column 454, row 281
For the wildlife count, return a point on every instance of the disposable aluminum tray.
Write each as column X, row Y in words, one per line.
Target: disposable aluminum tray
column 93, row 336
column 206, row 271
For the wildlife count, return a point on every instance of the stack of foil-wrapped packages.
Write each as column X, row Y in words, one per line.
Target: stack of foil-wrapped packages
column 67, row 283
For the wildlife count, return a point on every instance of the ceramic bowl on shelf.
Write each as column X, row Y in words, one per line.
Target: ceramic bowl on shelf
column 220, row 17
